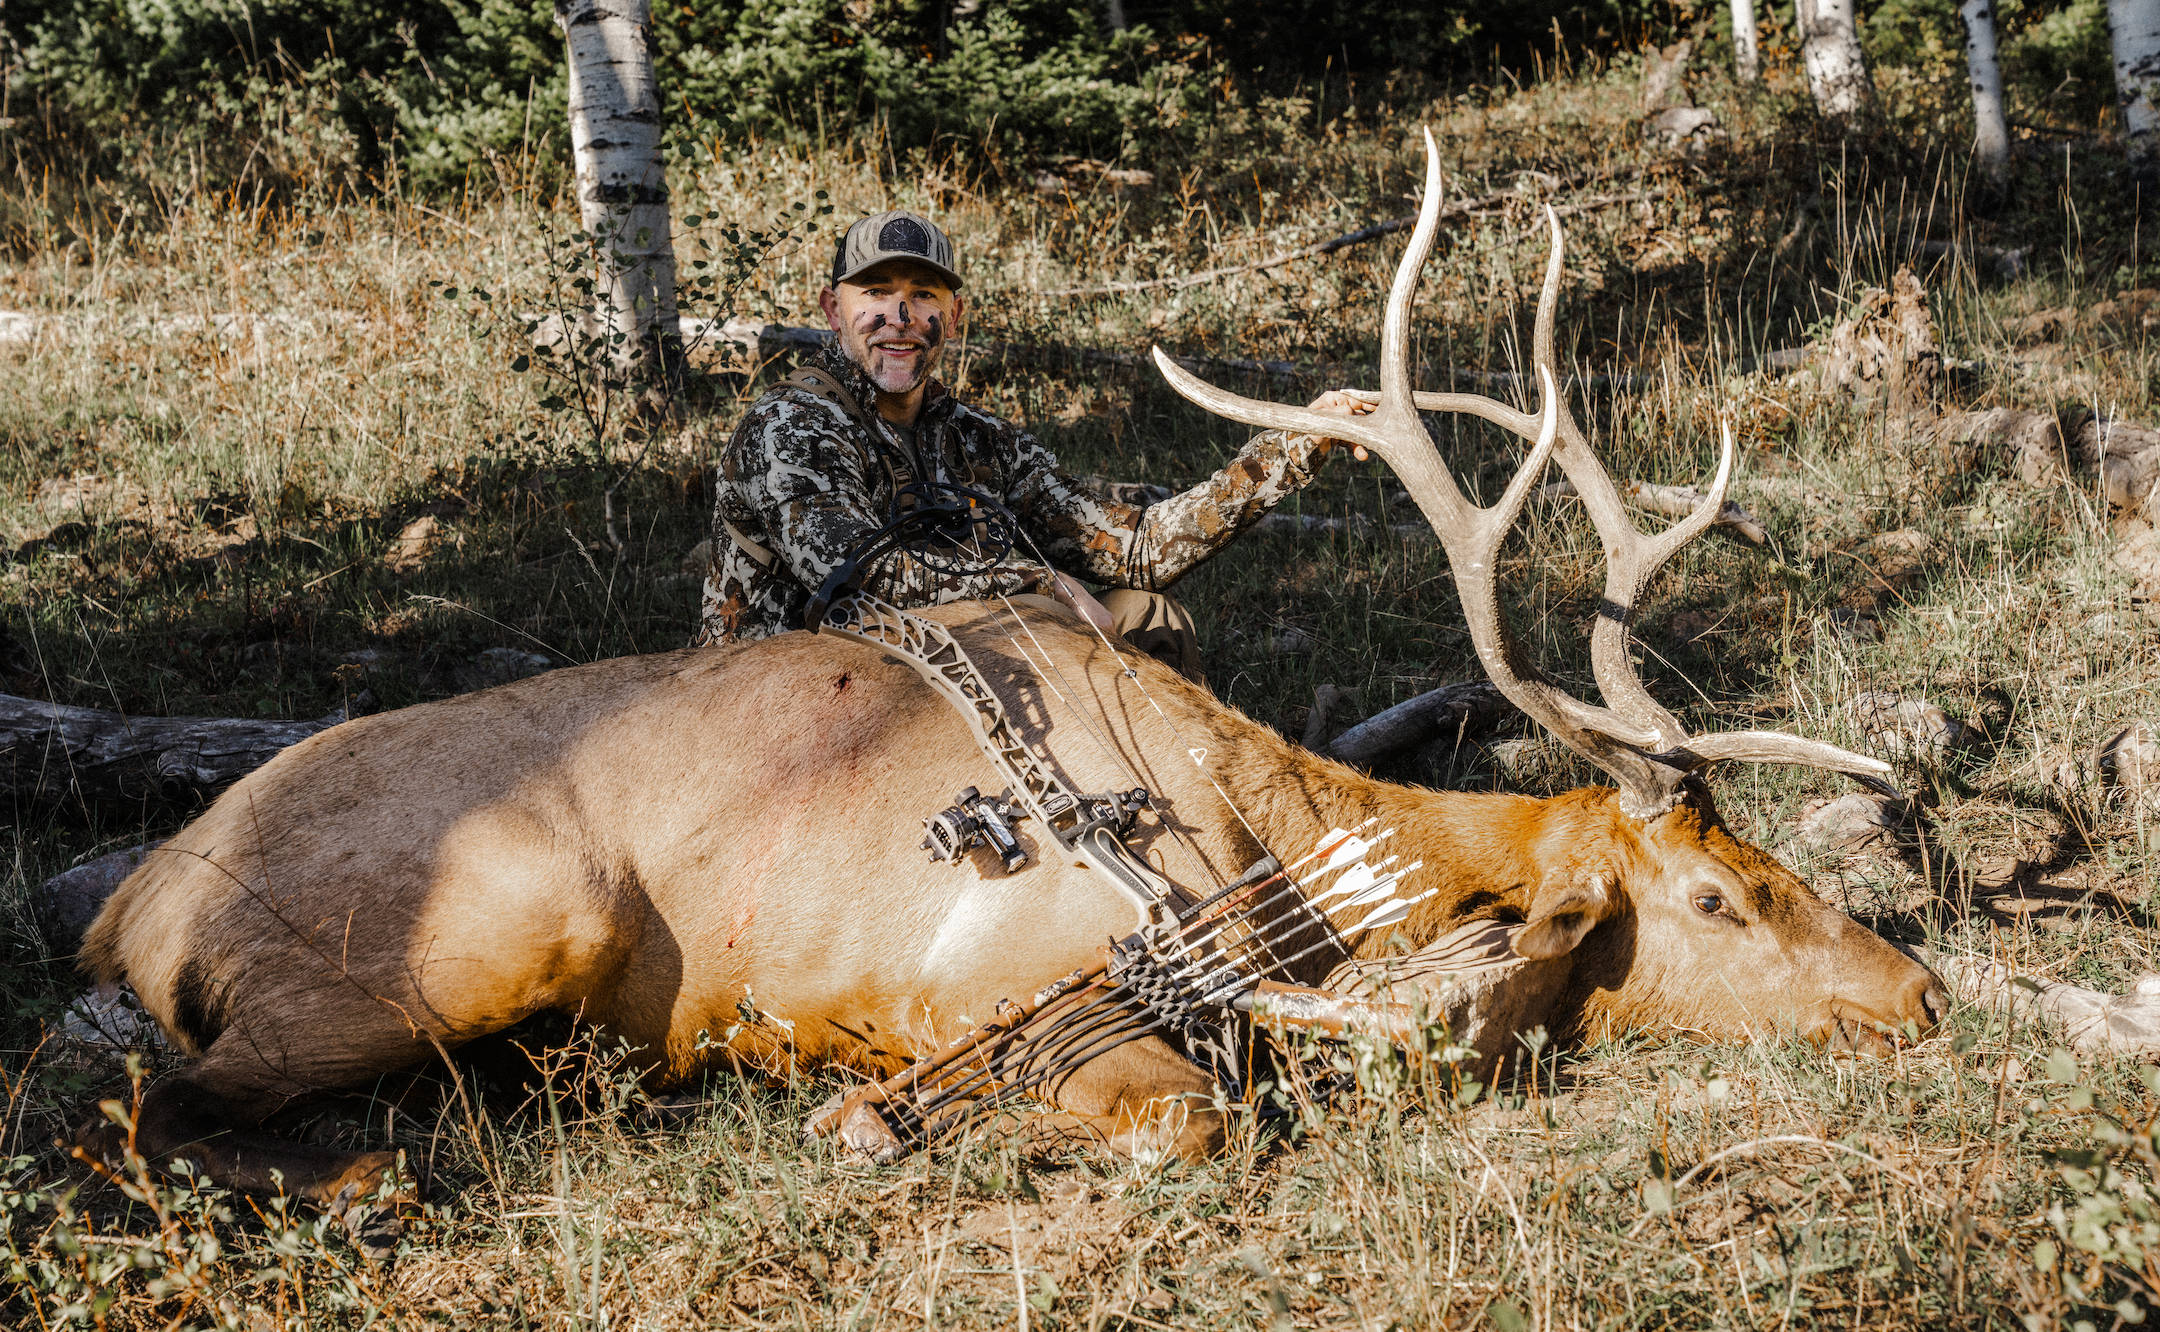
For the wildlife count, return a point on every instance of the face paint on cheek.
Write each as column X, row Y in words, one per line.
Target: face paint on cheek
column 936, row 334
column 877, row 321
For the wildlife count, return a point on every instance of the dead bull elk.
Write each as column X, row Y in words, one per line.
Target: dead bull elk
column 650, row 843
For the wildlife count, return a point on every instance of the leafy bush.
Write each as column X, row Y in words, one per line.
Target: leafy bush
column 440, row 87
column 2055, row 60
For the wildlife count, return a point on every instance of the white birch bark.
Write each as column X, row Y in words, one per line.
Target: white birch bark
column 1991, row 133
column 1747, row 62
column 621, row 181
column 1836, row 67
column 2134, row 31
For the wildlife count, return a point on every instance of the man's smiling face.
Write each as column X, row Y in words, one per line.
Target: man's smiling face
column 893, row 321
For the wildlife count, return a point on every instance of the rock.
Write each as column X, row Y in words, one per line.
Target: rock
column 2127, row 456
column 2138, row 555
column 415, row 542
column 1899, row 554
column 1688, row 626
column 1852, row 822
column 498, row 666
column 699, row 561
column 101, row 1028
column 1965, row 441
column 1683, row 124
column 2132, row 311
column 2130, row 759
column 2059, row 766
column 1907, row 727
column 70, row 900
column 1290, row 641
column 1522, row 758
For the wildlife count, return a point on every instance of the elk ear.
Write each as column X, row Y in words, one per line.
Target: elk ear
column 1565, row 913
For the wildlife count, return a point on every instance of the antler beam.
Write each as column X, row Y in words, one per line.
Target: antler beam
column 1634, row 739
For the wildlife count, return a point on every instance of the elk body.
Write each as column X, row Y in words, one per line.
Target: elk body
column 661, row 844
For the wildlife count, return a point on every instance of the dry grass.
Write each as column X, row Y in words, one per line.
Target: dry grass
column 211, row 524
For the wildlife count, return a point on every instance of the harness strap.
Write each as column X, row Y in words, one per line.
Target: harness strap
column 759, row 554
column 821, row 384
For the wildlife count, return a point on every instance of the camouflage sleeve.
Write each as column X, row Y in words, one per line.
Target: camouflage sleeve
column 1152, row 548
column 804, row 474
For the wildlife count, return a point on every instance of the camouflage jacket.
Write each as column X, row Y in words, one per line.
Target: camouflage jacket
column 798, row 479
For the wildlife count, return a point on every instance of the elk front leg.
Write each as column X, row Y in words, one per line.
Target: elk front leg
column 1142, row 1100
column 183, row 1118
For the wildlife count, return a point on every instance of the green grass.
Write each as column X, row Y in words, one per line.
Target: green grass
column 230, row 554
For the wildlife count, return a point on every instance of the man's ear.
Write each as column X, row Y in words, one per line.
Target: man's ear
column 828, row 300
column 1565, row 912
column 959, row 311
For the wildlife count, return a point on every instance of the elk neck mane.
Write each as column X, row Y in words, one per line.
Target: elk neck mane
column 1487, row 854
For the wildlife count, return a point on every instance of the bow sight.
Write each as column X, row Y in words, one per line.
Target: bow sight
column 1194, row 967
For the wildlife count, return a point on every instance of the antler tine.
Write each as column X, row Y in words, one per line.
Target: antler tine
column 1636, row 741
column 1631, row 555
column 1394, row 430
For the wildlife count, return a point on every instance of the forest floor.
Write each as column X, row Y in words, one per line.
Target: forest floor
column 353, row 486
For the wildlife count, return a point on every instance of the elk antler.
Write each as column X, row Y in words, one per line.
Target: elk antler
column 1634, row 739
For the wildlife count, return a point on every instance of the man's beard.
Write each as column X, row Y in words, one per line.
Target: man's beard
column 903, row 377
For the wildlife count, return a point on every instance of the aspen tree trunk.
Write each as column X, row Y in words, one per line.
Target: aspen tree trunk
column 1836, row 68
column 1747, row 63
column 1991, row 134
column 621, row 182
column 2134, row 31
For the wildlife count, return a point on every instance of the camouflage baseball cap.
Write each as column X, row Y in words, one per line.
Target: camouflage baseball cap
column 899, row 234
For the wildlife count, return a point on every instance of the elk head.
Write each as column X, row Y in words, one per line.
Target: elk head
column 1654, row 852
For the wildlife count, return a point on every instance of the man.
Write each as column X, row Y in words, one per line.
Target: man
column 821, row 462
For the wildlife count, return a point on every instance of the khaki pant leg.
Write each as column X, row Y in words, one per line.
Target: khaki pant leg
column 1157, row 625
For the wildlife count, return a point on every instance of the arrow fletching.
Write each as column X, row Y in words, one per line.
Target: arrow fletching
column 1379, row 891
column 1392, row 914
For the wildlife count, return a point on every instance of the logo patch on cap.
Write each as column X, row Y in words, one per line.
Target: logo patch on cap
column 904, row 234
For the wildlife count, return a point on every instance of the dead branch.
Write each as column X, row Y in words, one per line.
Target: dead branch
column 1673, row 502
column 1458, row 709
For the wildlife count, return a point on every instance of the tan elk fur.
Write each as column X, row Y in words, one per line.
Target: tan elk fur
column 653, row 843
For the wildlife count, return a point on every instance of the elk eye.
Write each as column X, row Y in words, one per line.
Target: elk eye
column 1709, row 904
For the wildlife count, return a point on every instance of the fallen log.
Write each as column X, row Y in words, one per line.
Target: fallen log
column 1458, row 709
column 52, row 755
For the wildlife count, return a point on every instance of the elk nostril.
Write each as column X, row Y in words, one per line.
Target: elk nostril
column 1938, row 1003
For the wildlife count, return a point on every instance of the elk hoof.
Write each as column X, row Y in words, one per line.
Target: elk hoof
column 103, row 1143
column 371, row 1198
column 865, row 1132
